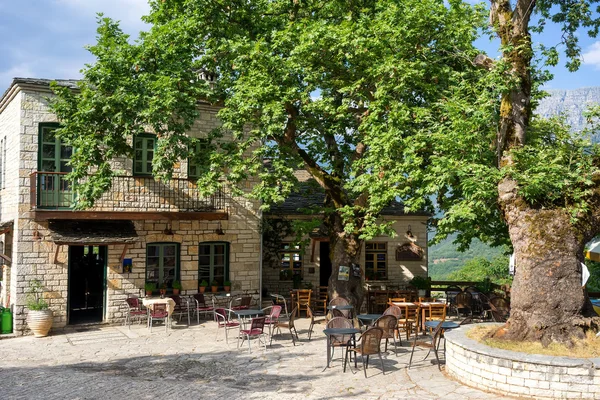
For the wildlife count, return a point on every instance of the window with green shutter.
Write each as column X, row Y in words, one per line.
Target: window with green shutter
column 144, row 147
column 162, row 263
column 213, row 262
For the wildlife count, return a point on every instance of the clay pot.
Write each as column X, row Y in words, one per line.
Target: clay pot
column 40, row 322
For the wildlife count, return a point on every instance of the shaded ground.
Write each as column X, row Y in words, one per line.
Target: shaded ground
column 188, row 362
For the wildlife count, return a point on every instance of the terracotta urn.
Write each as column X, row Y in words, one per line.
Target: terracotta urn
column 40, row 322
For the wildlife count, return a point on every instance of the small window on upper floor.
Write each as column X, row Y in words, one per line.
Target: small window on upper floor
column 197, row 152
column 376, row 260
column 144, row 146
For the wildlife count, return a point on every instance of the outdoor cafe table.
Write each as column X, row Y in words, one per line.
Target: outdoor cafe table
column 247, row 313
column 338, row 331
column 149, row 302
column 368, row 319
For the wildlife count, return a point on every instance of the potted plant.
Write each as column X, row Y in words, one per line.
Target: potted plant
column 163, row 290
column 40, row 316
column 203, row 285
column 421, row 283
column 227, row 285
column 176, row 287
column 214, row 285
column 149, row 287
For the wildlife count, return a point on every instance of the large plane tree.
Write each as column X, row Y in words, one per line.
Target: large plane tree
column 343, row 89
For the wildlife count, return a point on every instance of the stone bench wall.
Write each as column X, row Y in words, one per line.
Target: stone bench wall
column 520, row 374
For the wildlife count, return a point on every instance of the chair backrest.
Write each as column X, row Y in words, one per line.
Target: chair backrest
column 280, row 300
column 177, row 299
column 339, row 301
column 275, row 312
column 159, row 308
column 245, row 301
column 426, row 299
column 451, row 292
column 370, row 341
column 133, row 302
column 393, row 310
column 221, row 315
column 258, row 323
column 199, row 297
column 304, row 296
column 397, row 300
column 338, row 313
column 388, row 324
column 293, row 317
column 410, row 313
column 463, row 300
column 339, row 322
column 437, row 311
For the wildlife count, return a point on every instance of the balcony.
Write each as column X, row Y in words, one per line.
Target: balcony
column 129, row 198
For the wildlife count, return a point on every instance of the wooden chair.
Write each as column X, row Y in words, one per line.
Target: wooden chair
column 320, row 301
column 388, row 324
column 289, row 325
column 381, row 300
column 303, row 300
column 437, row 312
column 431, row 344
column 370, row 344
column 410, row 320
column 396, row 300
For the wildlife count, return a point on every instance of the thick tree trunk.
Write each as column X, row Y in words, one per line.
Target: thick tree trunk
column 344, row 251
column 548, row 302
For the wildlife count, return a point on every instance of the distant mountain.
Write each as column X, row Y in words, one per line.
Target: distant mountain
column 572, row 103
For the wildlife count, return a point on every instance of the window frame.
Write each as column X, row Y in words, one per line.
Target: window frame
column 373, row 272
column 191, row 164
column 144, row 137
column 211, row 266
column 287, row 274
column 162, row 245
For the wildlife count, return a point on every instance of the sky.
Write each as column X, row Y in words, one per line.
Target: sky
column 46, row 39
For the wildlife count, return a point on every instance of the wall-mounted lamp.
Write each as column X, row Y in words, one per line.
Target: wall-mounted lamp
column 219, row 231
column 409, row 235
column 168, row 230
column 36, row 235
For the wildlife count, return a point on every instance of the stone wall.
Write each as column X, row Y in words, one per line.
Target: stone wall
column 519, row 374
column 34, row 250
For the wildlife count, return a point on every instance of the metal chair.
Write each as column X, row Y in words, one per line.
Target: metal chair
column 272, row 316
column 344, row 341
column 201, row 306
column 431, row 344
column 257, row 330
column 182, row 307
column 134, row 310
column 370, row 344
column 396, row 312
column 340, row 301
column 223, row 322
column 280, row 300
column 240, row 303
column 388, row 324
column 463, row 304
column 158, row 312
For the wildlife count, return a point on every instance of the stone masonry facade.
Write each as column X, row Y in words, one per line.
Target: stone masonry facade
column 22, row 110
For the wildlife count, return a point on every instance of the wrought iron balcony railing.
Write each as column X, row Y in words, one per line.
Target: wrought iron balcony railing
column 53, row 191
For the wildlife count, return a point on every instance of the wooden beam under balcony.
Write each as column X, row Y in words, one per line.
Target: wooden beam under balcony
column 47, row 215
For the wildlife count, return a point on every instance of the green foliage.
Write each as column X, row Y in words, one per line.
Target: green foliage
column 203, row 283
column 176, row 285
column 420, row 282
column 150, row 286
column 227, row 283
column 35, row 296
column 214, row 283
column 481, row 269
column 350, row 91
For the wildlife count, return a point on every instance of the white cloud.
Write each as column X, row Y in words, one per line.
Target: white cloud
column 592, row 55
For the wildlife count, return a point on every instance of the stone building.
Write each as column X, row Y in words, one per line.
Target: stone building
column 142, row 230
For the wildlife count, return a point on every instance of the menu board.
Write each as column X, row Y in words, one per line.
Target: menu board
column 344, row 273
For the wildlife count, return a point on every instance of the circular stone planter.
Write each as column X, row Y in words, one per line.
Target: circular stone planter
column 520, row 374
column 40, row 322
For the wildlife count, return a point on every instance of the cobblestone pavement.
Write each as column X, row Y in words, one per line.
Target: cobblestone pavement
column 113, row 362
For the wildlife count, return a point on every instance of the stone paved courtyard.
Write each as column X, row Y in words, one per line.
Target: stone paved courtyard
column 112, row 362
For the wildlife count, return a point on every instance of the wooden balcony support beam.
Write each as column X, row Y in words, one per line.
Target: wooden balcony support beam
column 46, row 215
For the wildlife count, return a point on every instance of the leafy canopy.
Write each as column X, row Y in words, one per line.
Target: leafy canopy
column 352, row 91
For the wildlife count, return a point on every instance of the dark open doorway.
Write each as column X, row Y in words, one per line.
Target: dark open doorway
column 87, row 277
column 325, row 264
